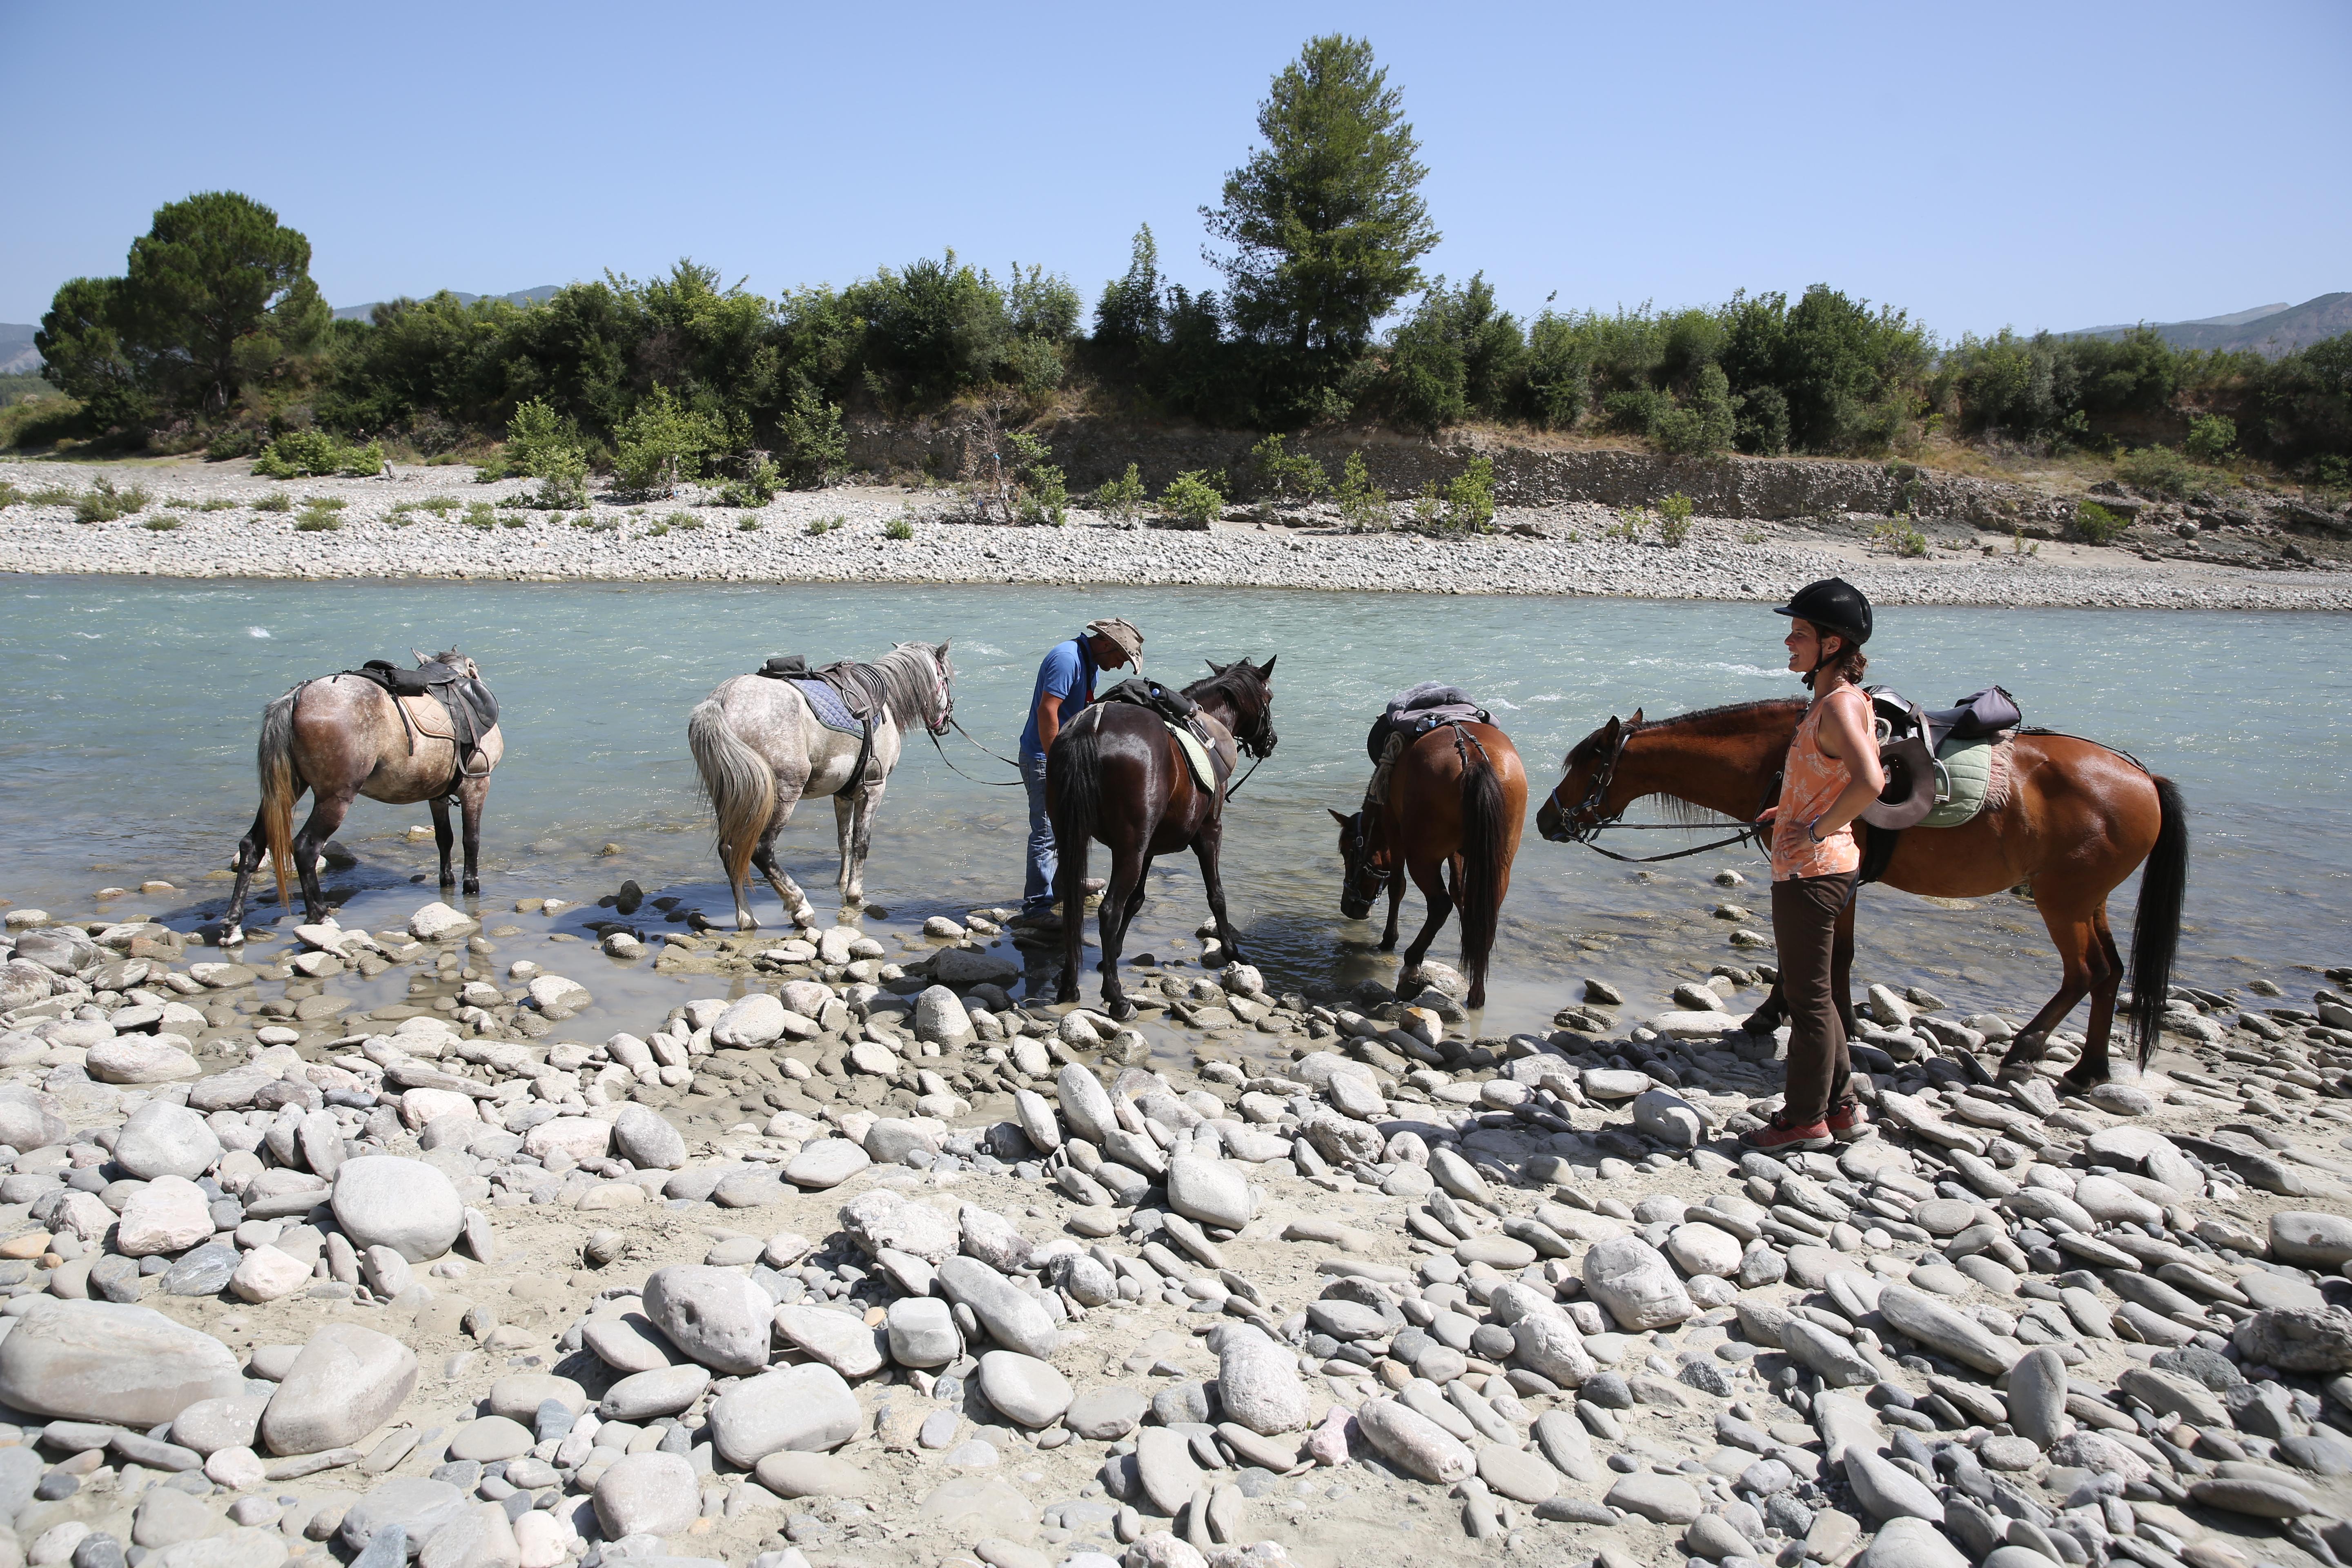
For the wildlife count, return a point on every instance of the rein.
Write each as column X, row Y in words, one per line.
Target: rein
column 1598, row 791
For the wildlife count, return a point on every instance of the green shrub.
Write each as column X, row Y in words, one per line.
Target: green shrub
column 898, row 528
column 1901, row 538
column 2160, row 470
column 2097, row 524
column 318, row 515
column 1123, row 497
column 217, row 503
column 756, row 487
column 1704, row 424
column 2211, row 437
column 747, row 525
column 315, row 454
column 277, row 501
column 1762, row 426
column 536, row 436
column 1470, row 497
column 104, row 503
column 810, row 440
column 1628, row 526
column 683, row 521
column 480, row 514
column 1637, row 411
column 1040, row 494
column 1190, row 498
column 1675, row 519
column 440, row 506
column 231, row 442
column 1362, row 504
column 161, row 524
column 1285, row 477
column 818, row 526
column 1429, row 508
column 662, row 443
column 9, row 495
column 563, row 481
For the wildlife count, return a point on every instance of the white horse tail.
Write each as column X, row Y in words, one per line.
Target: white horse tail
column 274, row 757
column 739, row 784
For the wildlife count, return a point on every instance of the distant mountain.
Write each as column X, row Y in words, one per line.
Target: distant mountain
column 2268, row 330
column 519, row 297
column 17, row 355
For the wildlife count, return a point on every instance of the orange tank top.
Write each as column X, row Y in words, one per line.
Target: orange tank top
column 1809, row 785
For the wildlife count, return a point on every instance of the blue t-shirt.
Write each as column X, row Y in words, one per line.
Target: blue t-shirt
column 1067, row 673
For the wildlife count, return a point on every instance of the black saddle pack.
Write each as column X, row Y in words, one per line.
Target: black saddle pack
column 472, row 708
column 1418, row 711
column 1143, row 692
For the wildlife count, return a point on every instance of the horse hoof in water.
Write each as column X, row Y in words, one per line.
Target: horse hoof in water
column 1120, row 1011
column 473, row 889
column 804, row 918
column 234, row 936
column 1409, row 986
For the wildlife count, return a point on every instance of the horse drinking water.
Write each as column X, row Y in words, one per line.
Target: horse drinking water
column 1456, row 798
column 386, row 733
column 1116, row 773
column 2080, row 818
column 761, row 748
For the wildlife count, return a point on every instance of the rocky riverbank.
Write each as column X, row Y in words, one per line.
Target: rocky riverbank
column 855, row 1254
column 431, row 522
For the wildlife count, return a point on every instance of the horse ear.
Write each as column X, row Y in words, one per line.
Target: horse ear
column 1215, row 667
column 1337, row 817
column 1637, row 719
column 1267, row 668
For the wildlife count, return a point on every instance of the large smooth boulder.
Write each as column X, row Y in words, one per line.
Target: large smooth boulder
column 1011, row 1317
column 1209, row 1191
column 28, row 1119
column 644, row 1138
column 1632, row 1281
column 165, row 1140
column 382, row 1200
column 102, row 1361
column 141, row 1059
column 347, row 1382
column 716, row 1315
column 756, row 1020
column 1257, row 1383
column 803, row 1409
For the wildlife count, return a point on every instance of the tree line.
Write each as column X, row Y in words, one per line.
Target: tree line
column 216, row 337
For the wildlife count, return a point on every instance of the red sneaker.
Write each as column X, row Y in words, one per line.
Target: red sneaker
column 1781, row 1136
column 1848, row 1122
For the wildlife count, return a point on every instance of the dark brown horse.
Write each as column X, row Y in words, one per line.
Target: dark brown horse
column 2080, row 819
column 342, row 737
column 1456, row 798
column 1116, row 774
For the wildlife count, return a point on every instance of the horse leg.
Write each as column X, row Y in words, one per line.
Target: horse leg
column 443, row 838
column 854, row 818
column 326, row 815
column 1120, row 901
column 796, row 904
column 1069, row 896
column 471, row 795
column 1205, row 844
column 1396, row 904
column 1429, row 876
column 249, row 858
column 2071, row 935
column 2106, row 966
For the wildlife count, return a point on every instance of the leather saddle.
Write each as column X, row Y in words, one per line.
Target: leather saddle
column 468, row 708
column 1909, row 737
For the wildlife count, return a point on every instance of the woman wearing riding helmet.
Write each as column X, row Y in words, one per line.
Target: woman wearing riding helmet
column 1832, row 775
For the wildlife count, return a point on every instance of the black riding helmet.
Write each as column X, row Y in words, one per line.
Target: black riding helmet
column 1833, row 605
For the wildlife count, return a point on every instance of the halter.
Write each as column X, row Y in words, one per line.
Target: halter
column 1588, row 831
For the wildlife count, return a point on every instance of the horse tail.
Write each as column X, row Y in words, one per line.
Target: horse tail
column 1074, row 768
column 273, row 758
column 739, row 785
column 1484, row 856
column 2156, row 928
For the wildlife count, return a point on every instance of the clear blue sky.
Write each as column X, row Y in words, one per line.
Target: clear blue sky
column 2054, row 164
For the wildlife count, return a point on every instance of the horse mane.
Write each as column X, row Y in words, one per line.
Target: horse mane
column 1230, row 681
column 905, row 677
column 1723, row 719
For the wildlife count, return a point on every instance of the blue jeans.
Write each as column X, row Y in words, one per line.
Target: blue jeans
column 1037, row 891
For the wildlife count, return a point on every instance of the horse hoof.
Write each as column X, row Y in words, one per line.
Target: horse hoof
column 1120, row 1011
column 2075, row 1080
column 233, row 937
column 806, row 918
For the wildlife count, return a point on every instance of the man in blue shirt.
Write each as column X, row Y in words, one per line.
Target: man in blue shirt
column 1065, row 684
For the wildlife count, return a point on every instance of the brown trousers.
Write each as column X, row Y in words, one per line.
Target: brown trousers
column 1804, row 926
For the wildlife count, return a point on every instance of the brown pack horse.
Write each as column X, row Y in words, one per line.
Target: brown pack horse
column 340, row 738
column 2081, row 817
column 1456, row 800
column 1116, row 774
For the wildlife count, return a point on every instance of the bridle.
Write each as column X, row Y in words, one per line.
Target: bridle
column 1586, row 824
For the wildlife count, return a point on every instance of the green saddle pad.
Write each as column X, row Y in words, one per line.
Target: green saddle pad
column 1964, row 771
column 1204, row 773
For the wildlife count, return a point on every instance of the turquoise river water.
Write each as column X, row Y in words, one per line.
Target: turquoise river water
column 128, row 711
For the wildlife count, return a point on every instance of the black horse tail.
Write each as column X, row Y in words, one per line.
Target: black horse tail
column 1074, row 781
column 1483, row 857
column 2156, row 928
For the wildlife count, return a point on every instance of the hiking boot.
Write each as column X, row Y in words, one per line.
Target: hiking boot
column 1781, row 1136
column 1094, row 884
column 1848, row 1122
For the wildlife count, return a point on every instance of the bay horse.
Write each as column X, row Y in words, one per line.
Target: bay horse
column 2080, row 819
column 339, row 738
column 1116, row 774
column 761, row 750
column 1457, row 797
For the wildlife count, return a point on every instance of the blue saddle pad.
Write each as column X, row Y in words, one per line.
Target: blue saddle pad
column 830, row 710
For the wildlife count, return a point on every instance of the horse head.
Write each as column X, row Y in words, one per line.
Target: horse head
column 453, row 658
column 1363, row 878
column 1250, row 688
column 1589, row 771
column 939, row 707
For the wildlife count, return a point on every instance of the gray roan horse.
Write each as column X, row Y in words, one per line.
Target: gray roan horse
column 761, row 751
column 340, row 738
